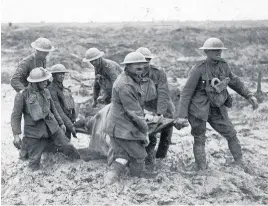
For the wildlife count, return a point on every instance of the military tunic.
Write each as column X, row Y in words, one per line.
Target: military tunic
column 107, row 74
column 196, row 106
column 125, row 122
column 66, row 114
column 160, row 103
column 41, row 125
column 19, row 79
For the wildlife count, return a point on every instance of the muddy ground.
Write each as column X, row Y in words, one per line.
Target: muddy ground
column 63, row 182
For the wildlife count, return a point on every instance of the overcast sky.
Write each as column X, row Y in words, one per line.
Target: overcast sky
column 131, row 10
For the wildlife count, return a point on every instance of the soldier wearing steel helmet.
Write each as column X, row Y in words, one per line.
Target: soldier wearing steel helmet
column 42, row 47
column 43, row 127
column 106, row 72
column 204, row 98
column 125, row 123
column 62, row 98
column 158, row 101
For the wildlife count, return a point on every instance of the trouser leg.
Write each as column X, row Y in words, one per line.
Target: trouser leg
column 150, row 150
column 35, row 149
column 63, row 145
column 165, row 140
column 225, row 127
column 23, row 152
column 68, row 134
column 199, row 132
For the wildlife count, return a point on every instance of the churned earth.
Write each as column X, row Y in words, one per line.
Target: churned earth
column 63, row 182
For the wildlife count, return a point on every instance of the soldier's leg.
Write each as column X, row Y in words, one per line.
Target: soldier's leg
column 68, row 134
column 165, row 140
column 35, row 149
column 23, row 152
column 225, row 127
column 63, row 145
column 199, row 132
column 166, row 134
column 150, row 150
column 117, row 159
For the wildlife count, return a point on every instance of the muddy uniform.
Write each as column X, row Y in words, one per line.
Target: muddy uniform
column 125, row 122
column 19, row 79
column 64, row 105
column 157, row 100
column 105, row 77
column 41, row 125
column 196, row 105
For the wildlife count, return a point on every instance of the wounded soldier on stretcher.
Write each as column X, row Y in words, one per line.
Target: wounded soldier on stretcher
column 99, row 145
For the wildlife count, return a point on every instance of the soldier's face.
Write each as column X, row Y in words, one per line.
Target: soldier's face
column 59, row 77
column 213, row 54
column 136, row 68
column 96, row 62
column 42, row 85
column 41, row 54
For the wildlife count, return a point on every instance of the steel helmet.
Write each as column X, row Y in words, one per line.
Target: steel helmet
column 134, row 57
column 58, row 68
column 92, row 54
column 146, row 52
column 38, row 74
column 213, row 44
column 42, row 44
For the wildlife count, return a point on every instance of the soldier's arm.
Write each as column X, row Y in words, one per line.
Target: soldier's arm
column 96, row 90
column 17, row 114
column 132, row 107
column 55, row 112
column 237, row 85
column 67, row 122
column 187, row 92
column 162, row 93
column 112, row 73
column 19, row 78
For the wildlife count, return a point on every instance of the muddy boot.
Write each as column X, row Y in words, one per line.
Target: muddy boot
column 199, row 155
column 115, row 172
column 137, row 169
column 150, row 159
column 235, row 149
column 70, row 151
column 34, row 165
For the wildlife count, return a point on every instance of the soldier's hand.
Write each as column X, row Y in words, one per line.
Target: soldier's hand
column 179, row 123
column 21, row 91
column 74, row 132
column 253, row 101
column 147, row 141
column 17, row 141
column 63, row 128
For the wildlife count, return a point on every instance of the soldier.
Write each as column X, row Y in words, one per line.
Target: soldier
column 106, row 72
column 43, row 127
column 204, row 98
column 62, row 98
column 42, row 47
column 158, row 101
column 126, row 124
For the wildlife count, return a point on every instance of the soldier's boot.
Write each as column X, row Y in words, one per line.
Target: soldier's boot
column 113, row 175
column 199, row 154
column 34, row 164
column 137, row 169
column 70, row 151
column 150, row 159
column 235, row 149
column 165, row 140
